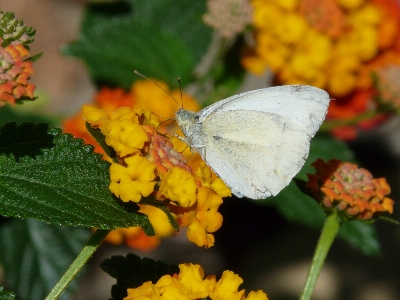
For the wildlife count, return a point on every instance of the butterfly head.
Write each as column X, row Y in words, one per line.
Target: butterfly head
column 185, row 119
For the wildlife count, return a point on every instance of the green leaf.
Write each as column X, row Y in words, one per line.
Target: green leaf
column 298, row 207
column 35, row 255
column 161, row 39
column 36, row 57
column 361, row 235
column 6, row 295
column 58, row 179
column 132, row 272
column 180, row 17
column 116, row 47
column 101, row 139
column 24, row 140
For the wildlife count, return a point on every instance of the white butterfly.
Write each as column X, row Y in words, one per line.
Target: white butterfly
column 257, row 141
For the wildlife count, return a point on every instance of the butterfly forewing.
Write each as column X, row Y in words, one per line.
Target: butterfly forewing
column 305, row 104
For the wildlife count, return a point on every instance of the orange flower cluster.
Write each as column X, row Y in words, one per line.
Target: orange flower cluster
column 191, row 284
column 336, row 45
column 149, row 165
column 15, row 68
column 345, row 187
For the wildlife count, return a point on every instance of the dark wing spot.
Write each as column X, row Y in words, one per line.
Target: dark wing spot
column 216, row 137
column 297, row 88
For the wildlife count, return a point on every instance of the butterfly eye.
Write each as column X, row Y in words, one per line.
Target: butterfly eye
column 184, row 115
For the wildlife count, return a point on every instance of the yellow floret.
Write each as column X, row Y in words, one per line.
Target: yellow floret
column 179, row 185
column 134, row 181
column 125, row 136
column 227, row 287
column 205, row 219
column 216, row 184
column 191, row 277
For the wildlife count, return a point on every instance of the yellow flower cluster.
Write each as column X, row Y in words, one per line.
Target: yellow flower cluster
column 324, row 43
column 345, row 187
column 190, row 284
column 149, row 165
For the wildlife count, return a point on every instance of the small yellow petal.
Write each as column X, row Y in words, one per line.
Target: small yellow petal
column 259, row 295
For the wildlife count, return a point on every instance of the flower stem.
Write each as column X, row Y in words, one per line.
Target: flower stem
column 328, row 234
column 87, row 251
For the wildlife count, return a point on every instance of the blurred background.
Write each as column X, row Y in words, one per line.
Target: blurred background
column 255, row 241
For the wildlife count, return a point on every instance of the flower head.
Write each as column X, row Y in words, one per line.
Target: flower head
column 344, row 187
column 191, row 284
column 15, row 70
column 132, row 131
column 15, row 65
column 148, row 165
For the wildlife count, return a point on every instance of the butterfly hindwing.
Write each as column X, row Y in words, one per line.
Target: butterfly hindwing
column 256, row 156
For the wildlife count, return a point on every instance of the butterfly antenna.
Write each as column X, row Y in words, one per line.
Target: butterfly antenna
column 168, row 119
column 180, row 89
column 137, row 73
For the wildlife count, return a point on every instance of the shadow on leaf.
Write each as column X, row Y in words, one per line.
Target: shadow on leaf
column 25, row 140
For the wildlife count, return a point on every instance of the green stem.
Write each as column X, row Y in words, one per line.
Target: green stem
column 87, row 251
column 328, row 234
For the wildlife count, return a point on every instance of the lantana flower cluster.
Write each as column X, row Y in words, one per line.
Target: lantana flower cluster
column 146, row 94
column 332, row 44
column 150, row 165
column 351, row 190
column 15, row 65
column 191, row 284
